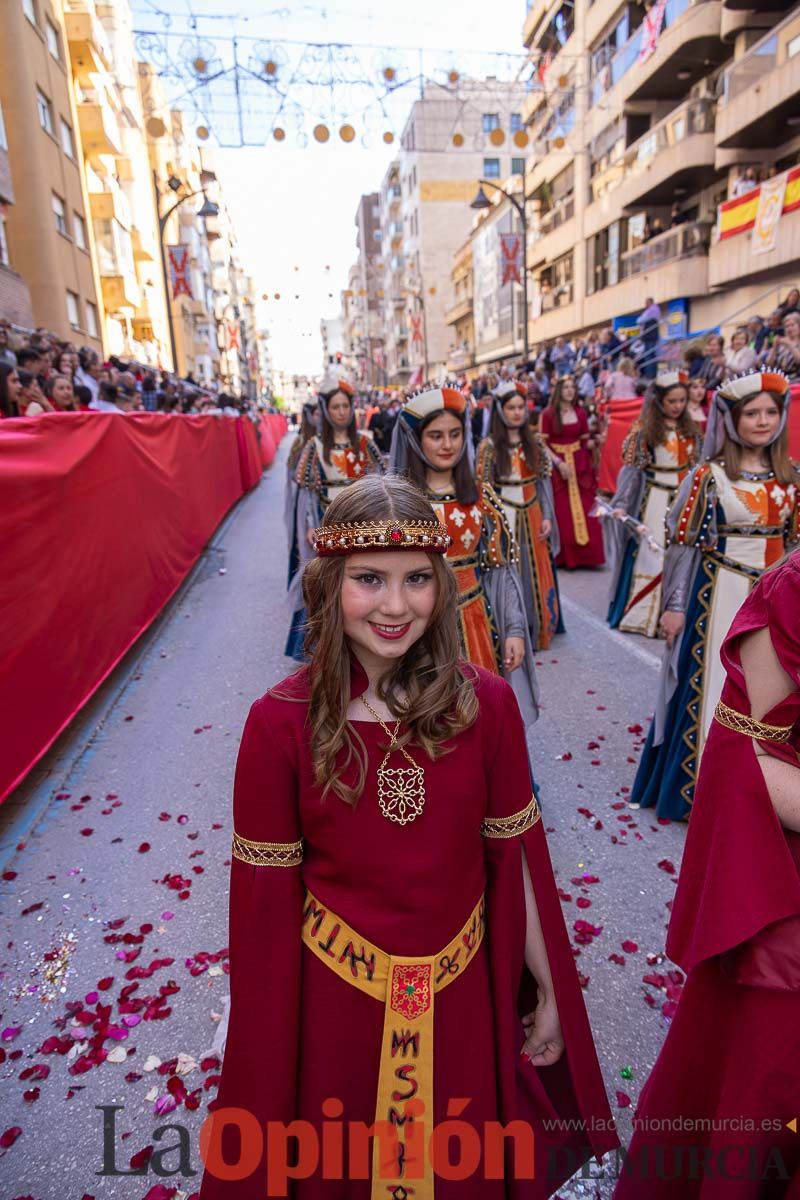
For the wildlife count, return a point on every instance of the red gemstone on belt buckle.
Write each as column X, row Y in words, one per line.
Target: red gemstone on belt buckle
column 396, row 535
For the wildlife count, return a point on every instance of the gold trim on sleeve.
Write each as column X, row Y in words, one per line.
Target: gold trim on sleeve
column 741, row 723
column 507, row 827
column 267, row 854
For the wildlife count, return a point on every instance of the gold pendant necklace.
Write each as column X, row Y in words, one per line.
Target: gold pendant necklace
column 401, row 790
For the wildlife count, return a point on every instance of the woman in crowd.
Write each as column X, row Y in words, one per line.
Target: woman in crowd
column 430, row 445
column 728, row 1063
column 697, row 407
column 564, row 426
column 10, row 388
column 66, row 362
column 398, row 956
column 32, row 400
column 791, row 303
column 620, row 384
column 331, row 459
column 733, row 517
column 714, row 364
column 58, row 390
column 514, row 461
column 307, row 430
column 661, row 447
column 784, row 353
column 741, row 356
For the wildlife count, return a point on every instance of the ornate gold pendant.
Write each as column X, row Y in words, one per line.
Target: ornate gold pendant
column 401, row 793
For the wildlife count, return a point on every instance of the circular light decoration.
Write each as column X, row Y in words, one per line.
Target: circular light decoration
column 278, row 133
column 431, row 291
column 388, row 137
column 200, row 65
column 521, row 139
column 270, row 67
column 156, row 127
column 327, row 266
column 563, row 81
column 265, row 295
column 380, row 293
column 458, row 139
column 347, row 133
column 497, row 137
column 559, row 143
column 202, row 132
column 330, row 295
column 321, row 133
column 453, row 76
column 277, row 295
column 389, row 74
column 361, row 292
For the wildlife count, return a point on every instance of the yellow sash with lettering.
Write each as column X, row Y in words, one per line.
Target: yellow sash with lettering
column 406, row 987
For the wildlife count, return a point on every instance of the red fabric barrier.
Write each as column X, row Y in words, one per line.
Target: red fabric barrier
column 266, row 444
column 249, row 456
column 794, row 423
column 621, row 415
column 104, row 515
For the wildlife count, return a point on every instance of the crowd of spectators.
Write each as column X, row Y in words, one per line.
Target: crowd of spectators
column 39, row 373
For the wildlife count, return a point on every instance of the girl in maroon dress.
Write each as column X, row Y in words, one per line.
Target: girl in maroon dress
column 564, row 426
column 388, row 856
column 718, row 1115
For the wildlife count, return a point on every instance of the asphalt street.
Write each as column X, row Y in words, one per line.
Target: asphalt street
column 115, row 864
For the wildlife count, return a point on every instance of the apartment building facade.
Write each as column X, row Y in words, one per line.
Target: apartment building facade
column 362, row 302
column 15, row 299
column 46, row 230
column 453, row 138
column 640, row 122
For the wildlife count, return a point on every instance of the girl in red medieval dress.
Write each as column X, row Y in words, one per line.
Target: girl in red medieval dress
column 388, row 858
column 564, row 427
column 429, row 445
column 514, row 461
column 728, row 1069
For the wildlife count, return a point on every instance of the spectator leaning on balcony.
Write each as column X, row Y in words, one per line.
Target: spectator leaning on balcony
column 745, row 183
column 740, row 356
column 676, row 216
column 791, row 303
column 784, row 354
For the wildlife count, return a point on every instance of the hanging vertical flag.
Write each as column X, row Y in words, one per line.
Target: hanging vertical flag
column 179, row 271
column 233, row 335
column 768, row 214
column 416, row 329
column 651, row 29
column 510, row 258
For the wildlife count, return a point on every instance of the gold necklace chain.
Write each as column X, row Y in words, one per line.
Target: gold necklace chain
column 401, row 790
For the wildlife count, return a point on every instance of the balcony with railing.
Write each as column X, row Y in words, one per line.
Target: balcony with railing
column 663, row 65
column 761, row 90
column 98, row 124
column 676, row 155
column 89, row 51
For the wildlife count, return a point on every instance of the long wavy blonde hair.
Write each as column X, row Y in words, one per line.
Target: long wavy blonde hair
column 429, row 688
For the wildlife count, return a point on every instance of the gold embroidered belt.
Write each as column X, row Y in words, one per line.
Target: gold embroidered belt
column 758, row 730
column 575, row 506
column 406, row 988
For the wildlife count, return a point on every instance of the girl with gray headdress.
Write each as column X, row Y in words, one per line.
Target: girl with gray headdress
column 513, row 459
column 662, row 446
column 733, row 517
column 332, row 458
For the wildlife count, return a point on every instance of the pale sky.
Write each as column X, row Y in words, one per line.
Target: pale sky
column 294, row 207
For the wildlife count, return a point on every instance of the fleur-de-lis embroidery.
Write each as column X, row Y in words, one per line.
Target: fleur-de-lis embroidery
column 458, row 517
column 467, row 538
column 475, row 513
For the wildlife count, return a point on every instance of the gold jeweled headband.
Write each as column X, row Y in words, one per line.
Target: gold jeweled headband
column 429, row 536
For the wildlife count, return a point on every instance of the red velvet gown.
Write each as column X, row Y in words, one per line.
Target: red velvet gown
column 299, row 1034
column 581, row 535
column 731, row 1055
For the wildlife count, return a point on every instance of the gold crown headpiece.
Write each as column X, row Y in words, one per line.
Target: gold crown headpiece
column 354, row 536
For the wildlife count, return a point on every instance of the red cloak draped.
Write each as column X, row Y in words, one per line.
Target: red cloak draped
column 299, row 1034
column 730, row 1057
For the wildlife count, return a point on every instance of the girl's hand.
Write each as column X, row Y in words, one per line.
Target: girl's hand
column 546, row 530
column 563, row 470
column 544, row 1043
column 310, row 537
column 672, row 623
column 513, row 653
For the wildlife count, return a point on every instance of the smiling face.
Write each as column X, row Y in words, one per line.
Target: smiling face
column 442, row 440
column 674, row 403
column 387, row 599
column 515, row 411
column 340, row 411
column 758, row 420
column 739, row 339
column 62, row 395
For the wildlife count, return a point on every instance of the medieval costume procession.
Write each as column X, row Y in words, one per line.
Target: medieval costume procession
column 397, row 863
column 400, row 593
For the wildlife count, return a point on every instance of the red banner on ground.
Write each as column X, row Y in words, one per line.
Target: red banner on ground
column 104, row 517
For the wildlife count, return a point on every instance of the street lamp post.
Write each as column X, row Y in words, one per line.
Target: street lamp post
column 482, row 201
column 208, row 209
